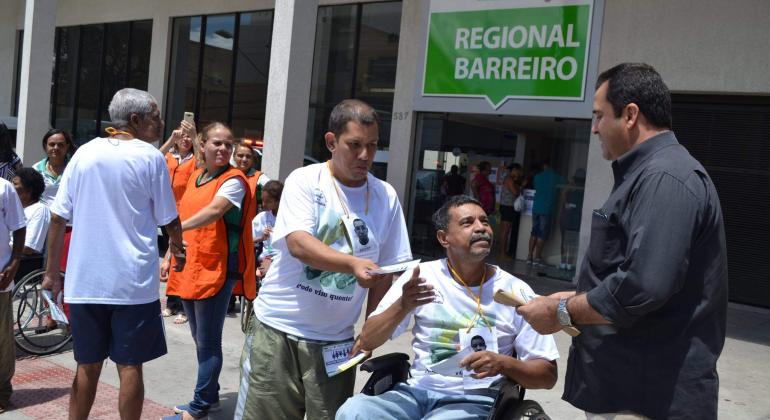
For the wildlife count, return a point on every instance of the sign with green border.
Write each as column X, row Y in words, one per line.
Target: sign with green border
column 538, row 52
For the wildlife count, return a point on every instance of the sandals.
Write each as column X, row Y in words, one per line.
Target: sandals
column 166, row 313
column 180, row 319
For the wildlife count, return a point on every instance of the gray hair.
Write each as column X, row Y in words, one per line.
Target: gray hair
column 130, row 101
column 441, row 216
column 351, row 110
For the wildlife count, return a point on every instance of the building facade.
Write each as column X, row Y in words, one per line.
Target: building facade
column 274, row 69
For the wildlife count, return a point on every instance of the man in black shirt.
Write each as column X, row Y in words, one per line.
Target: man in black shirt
column 651, row 298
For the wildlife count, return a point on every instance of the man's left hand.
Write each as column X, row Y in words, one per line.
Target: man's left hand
column 484, row 363
column 540, row 313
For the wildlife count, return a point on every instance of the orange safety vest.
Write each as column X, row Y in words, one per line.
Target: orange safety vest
column 179, row 175
column 205, row 272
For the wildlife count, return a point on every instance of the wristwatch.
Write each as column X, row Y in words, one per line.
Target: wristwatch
column 562, row 315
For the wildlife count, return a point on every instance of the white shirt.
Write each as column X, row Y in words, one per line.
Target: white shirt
column 12, row 219
column 38, row 219
column 115, row 193
column 233, row 190
column 437, row 324
column 321, row 305
column 262, row 221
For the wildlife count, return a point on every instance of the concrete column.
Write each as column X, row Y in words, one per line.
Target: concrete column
column 158, row 74
column 288, row 87
column 36, row 70
column 402, row 127
column 8, row 53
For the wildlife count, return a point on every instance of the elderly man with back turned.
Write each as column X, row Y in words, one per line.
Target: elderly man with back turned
column 316, row 286
column 651, row 297
column 116, row 191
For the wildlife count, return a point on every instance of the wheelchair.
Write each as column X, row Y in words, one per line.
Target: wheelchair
column 31, row 331
column 391, row 369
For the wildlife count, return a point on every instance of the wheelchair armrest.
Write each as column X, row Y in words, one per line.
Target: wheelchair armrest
column 384, row 362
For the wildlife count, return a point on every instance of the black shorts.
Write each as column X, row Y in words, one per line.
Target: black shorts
column 128, row 334
column 508, row 213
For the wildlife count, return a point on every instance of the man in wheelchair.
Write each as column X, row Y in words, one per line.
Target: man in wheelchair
column 463, row 340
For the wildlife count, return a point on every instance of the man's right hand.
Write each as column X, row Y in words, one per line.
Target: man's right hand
column 52, row 282
column 361, row 270
column 416, row 292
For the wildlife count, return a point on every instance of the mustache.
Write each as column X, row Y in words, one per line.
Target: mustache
column 483, row 236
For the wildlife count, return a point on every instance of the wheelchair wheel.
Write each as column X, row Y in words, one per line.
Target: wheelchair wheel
column 246, row 313
column 31, row 317
column 529, row 410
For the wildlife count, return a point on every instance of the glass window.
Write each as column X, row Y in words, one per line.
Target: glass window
column 90, row 76
column 251, row 71
column 355, row 57
column 183, row 77
column 17, row 85
column 217, row 69
column 116, row 40
column 139, row 54
column 66, row 71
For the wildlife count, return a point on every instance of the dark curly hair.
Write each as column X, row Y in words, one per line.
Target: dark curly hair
column 32, row 182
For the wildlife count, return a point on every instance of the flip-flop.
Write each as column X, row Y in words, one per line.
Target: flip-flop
column 180, row 319
column 166, row 313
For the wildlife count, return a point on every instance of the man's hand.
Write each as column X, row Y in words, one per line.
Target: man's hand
column 165, row 266
column 562, row 295
column 9, row 272
column 361, row 268
column 416, row 292
column 52, row 282
column 484, row 363
column 540, row 313
column 180, row 255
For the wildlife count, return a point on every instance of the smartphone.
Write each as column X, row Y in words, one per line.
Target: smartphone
column 189, row 117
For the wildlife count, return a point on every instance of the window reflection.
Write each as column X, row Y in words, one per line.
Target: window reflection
column 251, row 74
column 183, row 76
column 217, row 69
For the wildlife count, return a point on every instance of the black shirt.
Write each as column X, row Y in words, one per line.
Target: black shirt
column 656, row 267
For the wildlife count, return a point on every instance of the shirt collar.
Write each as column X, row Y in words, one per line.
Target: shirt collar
column 631, row 160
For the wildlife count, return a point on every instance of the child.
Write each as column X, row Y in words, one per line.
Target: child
column 262, row 225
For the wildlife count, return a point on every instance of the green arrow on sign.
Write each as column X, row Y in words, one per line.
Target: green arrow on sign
column 524, row 53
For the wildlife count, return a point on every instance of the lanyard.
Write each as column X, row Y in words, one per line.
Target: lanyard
column 339, row 195
column 479, row 312
column 112, row 131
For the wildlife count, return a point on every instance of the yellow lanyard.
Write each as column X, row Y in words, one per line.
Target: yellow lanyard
column 339, row 195
column 479, row 311
column 112, row 131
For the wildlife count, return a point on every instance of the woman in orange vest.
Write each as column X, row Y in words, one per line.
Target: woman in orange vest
column 180, row 160
column 216, row 212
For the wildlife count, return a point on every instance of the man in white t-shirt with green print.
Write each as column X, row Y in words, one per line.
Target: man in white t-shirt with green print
column 457, row 322
column 314, row 291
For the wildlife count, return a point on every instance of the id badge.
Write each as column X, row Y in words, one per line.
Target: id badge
column 361, row 237
column 335, row 355
column 478, row 339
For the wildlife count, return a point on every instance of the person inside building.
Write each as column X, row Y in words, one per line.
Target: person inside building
column 116, row 192
column 546, row 184
column 216, row 211
column 305, row 315
column 181, row 163
column 9, row 160
column 453, row 183
column 569, row 219
column 451, row 303
column 29, row 186
column 12, row 229
column 509, row 217
column 651, row 299
column 59, row 148
column 483, row 189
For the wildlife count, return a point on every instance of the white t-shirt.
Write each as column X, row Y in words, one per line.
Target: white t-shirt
column 233, row 190
column 115, row 193
column 38, row 219
column 12, row 219
column 313, row 304
column 261, row 221
column 437, row 324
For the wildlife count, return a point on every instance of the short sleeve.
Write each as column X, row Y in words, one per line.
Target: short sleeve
column 530, row 344
column 233, row 190
column 298, row 211
column 164, row 205
column 62, row 202
column 37, row 228
column 258, row 225
column 13, row 212
column 395, row 247
column 394, row 293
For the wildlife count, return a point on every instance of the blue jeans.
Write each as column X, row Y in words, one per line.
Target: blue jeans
column 408, row 402
column 207, row 319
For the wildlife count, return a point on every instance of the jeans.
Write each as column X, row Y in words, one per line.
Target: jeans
column 408, row 402
column 207, row 319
